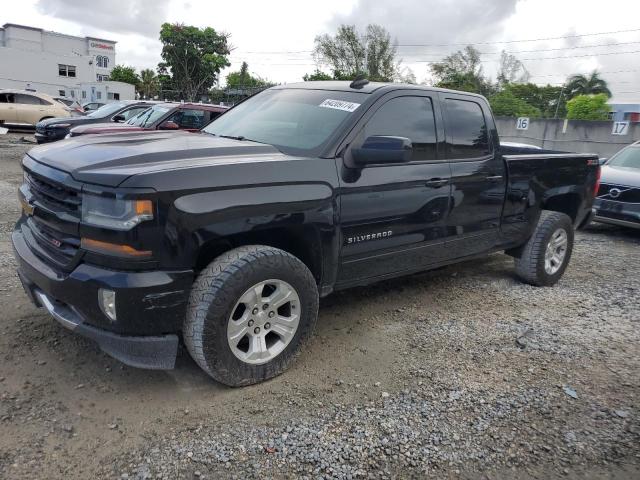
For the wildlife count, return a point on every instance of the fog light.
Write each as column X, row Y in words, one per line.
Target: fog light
column 107, row 300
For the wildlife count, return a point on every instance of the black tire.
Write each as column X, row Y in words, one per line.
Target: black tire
column 214, row 295
column 530, row 264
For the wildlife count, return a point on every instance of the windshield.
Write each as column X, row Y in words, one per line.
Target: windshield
column 629, row 157
column 148, row 117
column 106, row 110
column 300, row 120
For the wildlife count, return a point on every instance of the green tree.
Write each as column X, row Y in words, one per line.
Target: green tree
column 349, row 54
column 192, row 57
column 149, row 83
column 122, row 73
column 243, row 79
column 588, row 107
column 587, row 85
column 462, row 70
column 511, row 70
column 506, row 104
column 317, row 75
column 543, row 97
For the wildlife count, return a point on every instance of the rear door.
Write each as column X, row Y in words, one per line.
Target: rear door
column 392, row 216
column 478, row 176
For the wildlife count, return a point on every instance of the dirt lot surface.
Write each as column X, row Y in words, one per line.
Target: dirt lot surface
column 459, row 373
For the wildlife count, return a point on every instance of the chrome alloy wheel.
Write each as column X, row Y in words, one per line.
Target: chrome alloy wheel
column 556, row 251
column 263, row 321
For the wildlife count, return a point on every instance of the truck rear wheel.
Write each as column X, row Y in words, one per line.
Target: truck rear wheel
column 249, row 313
column 545, row 257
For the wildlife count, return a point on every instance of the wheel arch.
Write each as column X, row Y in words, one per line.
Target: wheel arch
column 303, row 242
column 567, row 203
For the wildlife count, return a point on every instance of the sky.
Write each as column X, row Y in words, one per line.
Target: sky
column 276, row 37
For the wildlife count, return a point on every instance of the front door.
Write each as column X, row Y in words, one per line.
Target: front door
column 478, row 176
column 392, row 216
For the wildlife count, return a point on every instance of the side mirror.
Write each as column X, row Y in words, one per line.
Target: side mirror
column 602, row 161
column 381, row 149
column 119, row 118
column 168, row 125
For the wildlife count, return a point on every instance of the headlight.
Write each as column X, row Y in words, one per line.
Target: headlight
column 68, row 135
column 115, row 213
column 59, row 125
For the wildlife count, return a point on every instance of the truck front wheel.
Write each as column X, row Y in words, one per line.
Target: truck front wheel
column 545, row 257
column 249, row 313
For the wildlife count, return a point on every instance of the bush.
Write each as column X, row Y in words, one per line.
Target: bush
column 588, row 107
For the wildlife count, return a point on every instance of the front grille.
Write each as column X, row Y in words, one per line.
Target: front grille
column 54, row 195
column 52, row 245
column 619, row 193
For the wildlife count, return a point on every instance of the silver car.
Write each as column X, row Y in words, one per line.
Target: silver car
column 618, row 200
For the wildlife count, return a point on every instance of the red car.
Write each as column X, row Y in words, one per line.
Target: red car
column 163, row 116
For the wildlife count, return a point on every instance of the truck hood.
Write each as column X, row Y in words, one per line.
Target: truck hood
column 621, row 176
column 110, row 159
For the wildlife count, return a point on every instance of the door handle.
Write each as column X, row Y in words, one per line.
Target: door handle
column 494, row 178
column 437, row 182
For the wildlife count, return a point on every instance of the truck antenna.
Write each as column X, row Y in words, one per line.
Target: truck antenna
column 359, row 82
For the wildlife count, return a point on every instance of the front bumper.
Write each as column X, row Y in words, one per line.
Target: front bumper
column 617, row 213
column 50, row 135
column 151, row 306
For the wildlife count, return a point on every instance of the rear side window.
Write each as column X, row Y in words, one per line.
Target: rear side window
column 410, row 117
column 466, row 130
column 6, row 98
column 27, row 99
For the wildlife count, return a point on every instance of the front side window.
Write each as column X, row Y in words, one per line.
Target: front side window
column 188, row 119
column 296, row 121
column 466, row 129
column 410, row 117
column 132, row 112
column 7, row 98
column 628, row 158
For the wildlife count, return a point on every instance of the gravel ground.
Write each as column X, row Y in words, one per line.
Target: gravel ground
column 459, row 373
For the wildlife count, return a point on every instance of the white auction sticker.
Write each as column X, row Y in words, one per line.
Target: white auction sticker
column 340, row 105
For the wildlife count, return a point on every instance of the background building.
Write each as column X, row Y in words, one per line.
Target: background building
column 60, row 65
column 625, row 112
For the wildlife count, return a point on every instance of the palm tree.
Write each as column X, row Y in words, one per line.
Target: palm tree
column 148, row 83
column 583, row 85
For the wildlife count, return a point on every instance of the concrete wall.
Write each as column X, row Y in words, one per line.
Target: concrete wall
column 579, row 136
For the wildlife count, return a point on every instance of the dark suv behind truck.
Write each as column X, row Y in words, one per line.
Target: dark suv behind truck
column 227, row 239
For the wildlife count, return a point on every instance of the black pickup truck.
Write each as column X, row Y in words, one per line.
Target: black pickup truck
column 227, row 239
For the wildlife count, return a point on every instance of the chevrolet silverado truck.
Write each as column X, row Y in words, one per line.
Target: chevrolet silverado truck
column 225, row 241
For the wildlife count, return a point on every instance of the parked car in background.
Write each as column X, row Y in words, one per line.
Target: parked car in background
column 74, row 105
column 91, row 106
column 164, row 116
column 22, row 107
column 58, row 128
column 618, row 200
